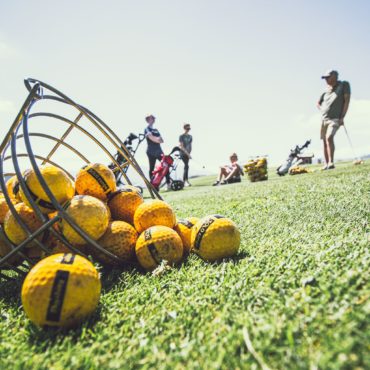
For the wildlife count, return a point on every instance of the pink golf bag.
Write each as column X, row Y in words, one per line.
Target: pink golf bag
column 163, row 168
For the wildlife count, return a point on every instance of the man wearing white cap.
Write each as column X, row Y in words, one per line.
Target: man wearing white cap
column 333, row 105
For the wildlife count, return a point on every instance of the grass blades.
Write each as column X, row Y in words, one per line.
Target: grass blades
column 295, row 297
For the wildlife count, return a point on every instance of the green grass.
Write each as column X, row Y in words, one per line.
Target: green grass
column 295, row 297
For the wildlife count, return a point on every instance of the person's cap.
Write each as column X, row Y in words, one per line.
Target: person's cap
column 186, row 126
column 149, row 117
column 329, row 73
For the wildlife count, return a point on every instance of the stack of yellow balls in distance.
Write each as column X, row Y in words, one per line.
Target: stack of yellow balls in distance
column 256, row 169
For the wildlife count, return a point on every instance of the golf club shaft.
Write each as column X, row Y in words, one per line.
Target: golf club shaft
column 350, row 142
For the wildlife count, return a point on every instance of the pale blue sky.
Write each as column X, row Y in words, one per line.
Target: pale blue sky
column 244, row 74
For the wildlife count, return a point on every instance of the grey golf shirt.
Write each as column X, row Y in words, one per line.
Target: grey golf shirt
column 332, row 101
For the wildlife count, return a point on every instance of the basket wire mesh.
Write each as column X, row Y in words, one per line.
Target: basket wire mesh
column 20, row 137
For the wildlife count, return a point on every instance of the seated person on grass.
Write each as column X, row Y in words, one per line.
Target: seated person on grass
column 230, row 173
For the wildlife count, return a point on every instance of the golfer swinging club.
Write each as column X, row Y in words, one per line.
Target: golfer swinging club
column 333, row 105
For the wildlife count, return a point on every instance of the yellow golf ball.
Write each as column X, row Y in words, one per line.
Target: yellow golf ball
column 14, row 231
column 119, row 239
column 156, row 244
column 124, row 202
column 61, row 290
column 96, row 179
column 12, row 185
column 4, row 208
column 215, row 237
column 90, row 214
column 152, row 213
column 183, row 228
column 58, row 183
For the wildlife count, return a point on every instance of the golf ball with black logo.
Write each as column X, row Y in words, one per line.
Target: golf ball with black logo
column 58, row 183
column 97, row 180
column 156, row 244
column 61, row 290
column 12, row 186
column 215, row 237
column 184, row 228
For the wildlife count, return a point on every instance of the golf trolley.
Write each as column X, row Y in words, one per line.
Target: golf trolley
column 122, row 161
column 294, row 159
column 167, row 165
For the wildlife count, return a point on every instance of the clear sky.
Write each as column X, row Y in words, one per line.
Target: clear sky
column 245, row 74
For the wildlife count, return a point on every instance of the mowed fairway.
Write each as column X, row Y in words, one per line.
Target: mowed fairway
column 295, row 297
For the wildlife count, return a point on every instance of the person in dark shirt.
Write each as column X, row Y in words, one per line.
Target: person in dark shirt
column 154, row 150
column 185, row 145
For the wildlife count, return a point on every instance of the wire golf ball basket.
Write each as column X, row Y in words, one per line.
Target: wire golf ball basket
column 51, row 129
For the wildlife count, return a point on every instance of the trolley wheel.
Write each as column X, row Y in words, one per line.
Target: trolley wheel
column 177, row 185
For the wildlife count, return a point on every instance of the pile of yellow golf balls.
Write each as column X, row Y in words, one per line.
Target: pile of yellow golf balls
column 113, row 226
column 256, row 169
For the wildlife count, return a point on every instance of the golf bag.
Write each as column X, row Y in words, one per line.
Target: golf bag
column 293, row 159
column 121, row 159
column 167, row 165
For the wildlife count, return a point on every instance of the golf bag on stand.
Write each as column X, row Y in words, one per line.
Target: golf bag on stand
column 293, row 159
column 167, row 165
column 121, row 160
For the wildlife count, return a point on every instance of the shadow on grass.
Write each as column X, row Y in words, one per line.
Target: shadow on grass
column 240, row 256
column 110, row 277
column 42, row 337
column 235, row 260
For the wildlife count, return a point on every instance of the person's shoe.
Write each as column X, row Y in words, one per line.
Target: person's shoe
column 331, row 166
column 187, row 183
column 223, row 183
column 324, row 168
column 168, row 187
column 216, row 183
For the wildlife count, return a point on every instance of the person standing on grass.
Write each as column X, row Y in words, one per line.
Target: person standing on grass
column 185, row 145
column 333, row 105
column 154, row 150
